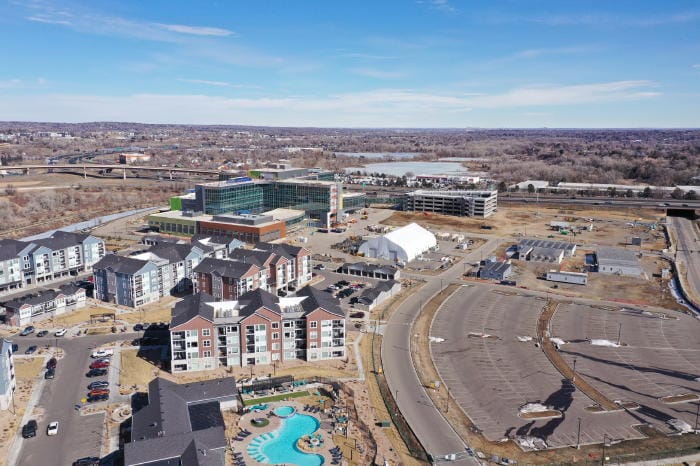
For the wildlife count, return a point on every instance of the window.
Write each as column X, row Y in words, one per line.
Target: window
column 260, row 328
column 275, row 325
column 275, row 346
column 313, row 335
column 207, row 354
column 206, row 332
column 313, row 324
column 275, row 335
column 206, row 343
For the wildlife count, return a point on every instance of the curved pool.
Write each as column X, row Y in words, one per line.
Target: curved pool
column 284, row 411
column 280, row 446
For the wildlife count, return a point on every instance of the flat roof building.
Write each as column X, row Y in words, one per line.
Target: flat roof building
column 576, row 278
column 618, row 261
column 534, row 249
column 495, row 270
column 470, row 203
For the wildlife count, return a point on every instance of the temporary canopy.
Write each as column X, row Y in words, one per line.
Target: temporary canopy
column 402, row 244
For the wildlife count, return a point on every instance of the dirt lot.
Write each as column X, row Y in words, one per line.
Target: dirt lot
column 653, row 291
column 28, row 368
column 610, row 227
column 135, row 370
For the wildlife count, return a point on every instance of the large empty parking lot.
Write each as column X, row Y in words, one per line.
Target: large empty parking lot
column 493, row 376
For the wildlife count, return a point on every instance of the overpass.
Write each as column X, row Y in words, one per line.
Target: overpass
column 112, row 167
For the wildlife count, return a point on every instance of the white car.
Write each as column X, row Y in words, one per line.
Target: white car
column 102, row 353
column 60, row 332
column 52, row 429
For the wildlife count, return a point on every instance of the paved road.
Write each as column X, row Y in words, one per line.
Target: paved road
column 688, row 254
column 78, row 435
column 433, row 431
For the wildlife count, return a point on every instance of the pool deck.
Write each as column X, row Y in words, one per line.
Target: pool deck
column 275, row 422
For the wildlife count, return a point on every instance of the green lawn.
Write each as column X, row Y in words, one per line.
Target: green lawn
column 280, row 397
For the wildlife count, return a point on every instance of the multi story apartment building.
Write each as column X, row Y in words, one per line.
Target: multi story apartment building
column 225, row 279
column 40, row 305
column 8, row 381
column 146, row 277
column 296, row 271
column 43, row 260
column 258, row 328
column 460, row 203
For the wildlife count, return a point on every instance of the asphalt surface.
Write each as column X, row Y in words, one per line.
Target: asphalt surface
column 431, row 428
column 78, row 436
column 493, row 377
column 688, row 253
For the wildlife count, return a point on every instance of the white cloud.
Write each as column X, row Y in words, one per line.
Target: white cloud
column 197, row 30
column 217, row 83
column 48, row 20
column 697, row 65
column 378, row 74
column 535, row 53
column 368, row 56
column 381, row 107
column 602, row 19
column 442, row 5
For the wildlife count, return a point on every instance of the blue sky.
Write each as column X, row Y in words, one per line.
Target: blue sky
column 410, row 63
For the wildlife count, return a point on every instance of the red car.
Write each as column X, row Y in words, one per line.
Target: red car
column 99, row 365
column 98, row 392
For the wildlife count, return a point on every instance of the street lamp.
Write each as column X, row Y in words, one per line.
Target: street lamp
column 578, row 435
column 574, row 377
column 605, row 436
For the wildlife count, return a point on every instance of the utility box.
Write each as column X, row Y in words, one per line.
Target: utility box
column 636, row 241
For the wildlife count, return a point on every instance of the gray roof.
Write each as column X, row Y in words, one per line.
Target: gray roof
column 190, row 307
column 32, row 299
column 616, row 256
column 120, row 264
column 282, row 249
column 547, row 253
column 171, row 252
column 370, row 294
column 370, row 268
column 69, row 289
column 166, row 428
column 251, row 256
column 61, row 240
column 495, row 267
column 319, row 299
column 541, row 243
column 224, row 267
column 10, row 248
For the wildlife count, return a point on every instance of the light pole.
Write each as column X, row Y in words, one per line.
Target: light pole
column 574, row 377
column 602, row 460
column 578, row 435
column 697, row 413
column 619, row 334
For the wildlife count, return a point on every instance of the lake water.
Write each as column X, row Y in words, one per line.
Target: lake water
column 417, row 168
column 380, row 155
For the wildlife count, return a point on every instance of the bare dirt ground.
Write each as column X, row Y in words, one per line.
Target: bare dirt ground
column 610, row 226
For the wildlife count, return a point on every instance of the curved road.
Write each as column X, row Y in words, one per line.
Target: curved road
column 434, row 432
column 688, row 254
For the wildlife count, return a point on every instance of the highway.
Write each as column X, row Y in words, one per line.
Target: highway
column 688, row 256
column 434, row 432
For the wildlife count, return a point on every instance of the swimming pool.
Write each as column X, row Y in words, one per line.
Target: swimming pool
column 280, row 446
column 284, row 411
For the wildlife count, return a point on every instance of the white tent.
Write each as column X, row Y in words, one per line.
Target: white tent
column 403, row 244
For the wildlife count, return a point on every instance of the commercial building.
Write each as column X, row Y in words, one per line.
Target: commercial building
column 146, row 277
column 495, row 270
column 258, row 328
column 44, row 260
column 567, row 277
column 370, row 298
column 470, row 203
column 618, row 261
column 403, row 244
column 39, row 305
column 363, row 269
column 8, row 381
column 182, row 424
column 174, row 222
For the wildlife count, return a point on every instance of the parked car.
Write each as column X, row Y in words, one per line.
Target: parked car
column 320, row 267
column 27, row 331
column 281, row 293
column 99, row 365
column 51, row 363
column 97, row 398
column 87, row 461
column 102, row 353
column 42, row 333
column 96, row 373
column 357, row 315
column 30, row 350
column 138, row 328
column 29, row 429
column 52, row 429
column 98, row 392
column 50, row 373
column 60, row 332
column 15, row 348
column 98, row 384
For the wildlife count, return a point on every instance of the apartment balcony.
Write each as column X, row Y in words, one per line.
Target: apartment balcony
column 180, row 356
column 179, row 346
column 338, row 342
column 177, row 336
column 338, row 334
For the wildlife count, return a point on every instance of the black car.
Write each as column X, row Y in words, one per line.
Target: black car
column 50, row 373
column 30, row 350
column 43, row 333
column 52, row 363
column 87, row 461
column 97, row 398
column 357, row 315
column 15, row 347
column 96, row 373
column 29, row 429
column 98, row 384
column 138, row 328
